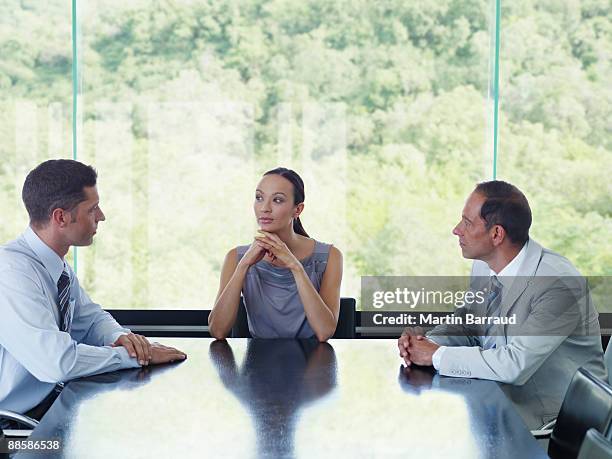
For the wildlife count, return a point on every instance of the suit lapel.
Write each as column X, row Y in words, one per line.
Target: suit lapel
column 516, row 290
column 523, row 279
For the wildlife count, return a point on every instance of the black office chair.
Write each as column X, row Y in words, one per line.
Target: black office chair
column 344, row 329
column 2, row 455
column 608, row 361
column 595, row 446
column 241, row 326
column 346, row 319
column 587, row 404
column 21, row 425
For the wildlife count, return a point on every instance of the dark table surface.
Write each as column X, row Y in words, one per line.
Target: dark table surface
column 284, row 398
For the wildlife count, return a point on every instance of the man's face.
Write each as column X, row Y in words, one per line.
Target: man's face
column 474, row 239
column 85, row 217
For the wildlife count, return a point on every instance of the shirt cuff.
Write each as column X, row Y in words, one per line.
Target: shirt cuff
column 115, row 336
column 126, row 360
column 436, row 358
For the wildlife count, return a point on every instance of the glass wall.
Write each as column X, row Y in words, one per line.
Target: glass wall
column 35, row 98
column 384, row 108
column 556, row 125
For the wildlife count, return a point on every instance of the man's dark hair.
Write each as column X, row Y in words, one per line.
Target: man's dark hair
column 55, row 184
column 507, row 206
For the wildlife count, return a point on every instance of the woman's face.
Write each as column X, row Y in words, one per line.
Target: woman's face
column 273, row 206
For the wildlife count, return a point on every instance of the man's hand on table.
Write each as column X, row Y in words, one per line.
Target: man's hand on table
column 403, row 343
column 137, row 346
column 165, row 354
column 147, row 353
column 415, row 348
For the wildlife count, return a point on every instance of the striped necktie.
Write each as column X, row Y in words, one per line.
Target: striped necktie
column 493, row 310
column 63, row 293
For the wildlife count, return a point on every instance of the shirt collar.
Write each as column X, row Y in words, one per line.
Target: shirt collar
column 507, row 275
column 47, row 256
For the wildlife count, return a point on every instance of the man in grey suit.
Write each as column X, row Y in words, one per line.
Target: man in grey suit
column 555, row 328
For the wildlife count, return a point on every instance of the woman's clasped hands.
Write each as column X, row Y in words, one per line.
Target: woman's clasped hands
column 276, row 249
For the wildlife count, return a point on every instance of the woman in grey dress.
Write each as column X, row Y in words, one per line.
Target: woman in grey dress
column 290, row 282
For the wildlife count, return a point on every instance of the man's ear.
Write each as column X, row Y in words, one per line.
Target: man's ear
column 498, row 235
column 60, row 217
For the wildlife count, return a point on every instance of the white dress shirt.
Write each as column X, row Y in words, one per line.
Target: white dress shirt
column 506, row 277
column 34, row 353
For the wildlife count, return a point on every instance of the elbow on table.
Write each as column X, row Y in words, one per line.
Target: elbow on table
column 219, row 336
column 52, row 373
column 323, row 336
column 517, row 377
column 52, row 376
column 57, row 368
column 216, row 333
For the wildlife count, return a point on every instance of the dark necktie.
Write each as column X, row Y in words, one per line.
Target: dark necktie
column 63, row 293
column 493, row 310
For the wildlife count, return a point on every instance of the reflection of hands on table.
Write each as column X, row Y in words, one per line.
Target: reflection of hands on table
column 417, row 377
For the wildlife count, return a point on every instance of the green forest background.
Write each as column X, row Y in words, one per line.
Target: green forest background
column 383, row 108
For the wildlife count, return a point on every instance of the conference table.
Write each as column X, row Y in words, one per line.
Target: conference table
column 283, row 398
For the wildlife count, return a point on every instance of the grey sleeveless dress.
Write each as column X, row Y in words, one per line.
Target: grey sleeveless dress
column 273, row 305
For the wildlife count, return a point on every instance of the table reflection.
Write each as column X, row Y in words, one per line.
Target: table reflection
column 415, row 379
column 58, row 421
column 536, row 406
column 276, row 379
column 284, row 398
column 488, row 405
column 527, row 400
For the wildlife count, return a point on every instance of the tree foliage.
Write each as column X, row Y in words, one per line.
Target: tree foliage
column 382, row 106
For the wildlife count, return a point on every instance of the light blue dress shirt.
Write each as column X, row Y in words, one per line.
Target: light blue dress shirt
column 34, row 353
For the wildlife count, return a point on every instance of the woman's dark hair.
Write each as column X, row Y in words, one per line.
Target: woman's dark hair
column 298, row 193
column 55, row 184
column 507, row 206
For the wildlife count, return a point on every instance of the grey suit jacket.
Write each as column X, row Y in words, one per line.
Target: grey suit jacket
column 556, row 332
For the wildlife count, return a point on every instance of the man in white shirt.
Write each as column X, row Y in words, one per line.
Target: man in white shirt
column 557, row 329
column 50, row 330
